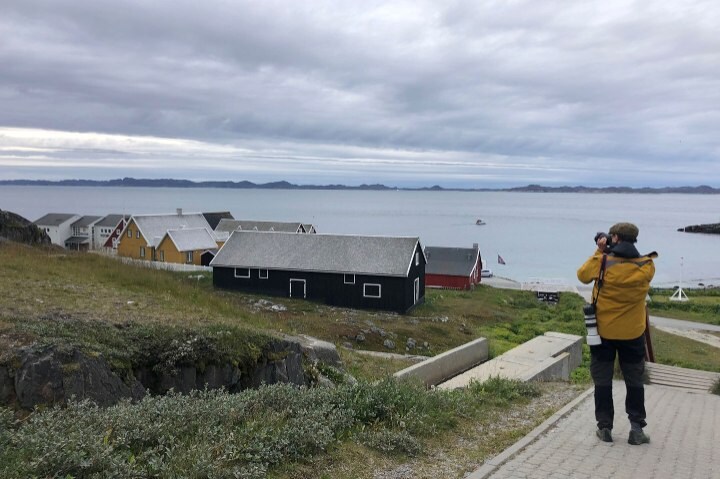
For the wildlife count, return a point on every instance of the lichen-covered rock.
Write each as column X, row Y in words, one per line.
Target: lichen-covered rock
column 49, row 376
column 53, row 376
column 14, row 227
column 317, row 350
column 281, row 362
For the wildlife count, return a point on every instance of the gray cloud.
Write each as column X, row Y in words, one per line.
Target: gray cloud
column 458, row 93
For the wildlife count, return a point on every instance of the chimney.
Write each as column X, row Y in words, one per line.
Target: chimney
column 179, row 211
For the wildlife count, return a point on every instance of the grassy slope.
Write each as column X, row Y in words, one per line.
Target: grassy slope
column 112, row 308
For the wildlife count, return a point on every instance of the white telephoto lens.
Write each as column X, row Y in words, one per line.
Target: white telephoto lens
column 593, row 339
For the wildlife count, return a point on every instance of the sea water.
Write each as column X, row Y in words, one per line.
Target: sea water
column 538, row 235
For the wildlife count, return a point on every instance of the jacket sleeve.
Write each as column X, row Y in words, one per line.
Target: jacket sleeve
column 590, row 270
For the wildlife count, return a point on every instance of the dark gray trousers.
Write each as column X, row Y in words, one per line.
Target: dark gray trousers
column 631, row 353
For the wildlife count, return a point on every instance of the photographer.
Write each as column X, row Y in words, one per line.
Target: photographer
column 622, row 281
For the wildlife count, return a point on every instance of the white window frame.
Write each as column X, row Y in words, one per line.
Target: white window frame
column 260, row 274
column 345, row 277
column 235, row 272
column 417, row 258
column 416, row 290
column 366, row 295
column 129, row 233
column 137, row 234
column 142, row 251
column 162, row 255
column 189, row 257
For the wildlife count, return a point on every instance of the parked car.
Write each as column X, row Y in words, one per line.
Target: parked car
column 486, row 273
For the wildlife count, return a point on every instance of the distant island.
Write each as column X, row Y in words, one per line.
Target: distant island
column 713, row 228
column 284, row 185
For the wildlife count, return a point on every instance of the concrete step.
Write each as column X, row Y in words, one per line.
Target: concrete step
column 549, row 357
column 681, row 377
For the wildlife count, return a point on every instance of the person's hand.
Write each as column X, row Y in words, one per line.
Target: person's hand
column 601, row 243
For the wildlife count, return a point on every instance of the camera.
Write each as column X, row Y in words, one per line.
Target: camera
column 593, row 338
column 609, row 242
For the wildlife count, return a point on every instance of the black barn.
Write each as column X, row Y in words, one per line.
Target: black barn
column 368, row 272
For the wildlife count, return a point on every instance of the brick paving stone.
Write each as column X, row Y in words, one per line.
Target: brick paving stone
column 684, row 429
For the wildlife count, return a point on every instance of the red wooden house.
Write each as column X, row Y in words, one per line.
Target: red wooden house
column 452, row 268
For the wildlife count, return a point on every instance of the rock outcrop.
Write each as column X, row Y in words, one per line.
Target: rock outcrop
column 713, row 228
column 14, row 227
column 50, row 375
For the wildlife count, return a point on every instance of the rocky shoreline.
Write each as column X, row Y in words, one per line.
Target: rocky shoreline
column 713, row 229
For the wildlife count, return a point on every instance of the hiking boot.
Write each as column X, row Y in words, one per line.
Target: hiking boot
column 638, row 437
column 604, row 434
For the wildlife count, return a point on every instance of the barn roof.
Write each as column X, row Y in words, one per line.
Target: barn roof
column 192, row 239
column 451, row 261
column 228, row 226
column 374, row 255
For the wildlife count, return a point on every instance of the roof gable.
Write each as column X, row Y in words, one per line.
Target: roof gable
column 154, row 227
column 191, row 239
column 375, row 255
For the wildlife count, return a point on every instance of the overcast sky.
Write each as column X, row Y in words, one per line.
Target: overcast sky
column 456, row 93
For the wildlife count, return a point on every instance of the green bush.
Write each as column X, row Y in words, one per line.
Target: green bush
column 215, row 434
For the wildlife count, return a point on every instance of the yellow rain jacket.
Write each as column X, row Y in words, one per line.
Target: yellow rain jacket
column 621, row 304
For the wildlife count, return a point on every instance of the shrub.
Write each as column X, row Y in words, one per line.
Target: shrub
column 216, row 434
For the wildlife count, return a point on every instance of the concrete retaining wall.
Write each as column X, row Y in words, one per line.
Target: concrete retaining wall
column 439, row 368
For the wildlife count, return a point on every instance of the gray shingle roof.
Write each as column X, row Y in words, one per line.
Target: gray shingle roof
column 450, row 261
column 214, row 218
column 376, row 255
column 228, row 226
column 111, row 220
column 54, row 219
column 154, row 227
column 85, row 221
column 192, row 239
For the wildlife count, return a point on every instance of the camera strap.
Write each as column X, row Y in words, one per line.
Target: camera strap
column 601, row 278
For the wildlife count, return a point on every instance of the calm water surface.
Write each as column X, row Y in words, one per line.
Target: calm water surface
column 538, row 234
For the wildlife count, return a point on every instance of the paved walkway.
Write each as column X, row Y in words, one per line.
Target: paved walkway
column 684, row 429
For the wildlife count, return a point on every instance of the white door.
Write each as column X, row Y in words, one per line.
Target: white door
column 417, row 291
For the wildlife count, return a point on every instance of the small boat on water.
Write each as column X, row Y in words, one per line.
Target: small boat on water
column 479, row 222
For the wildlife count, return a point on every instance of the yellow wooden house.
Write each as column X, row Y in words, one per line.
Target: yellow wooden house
column 142, row 234
column 186, row 246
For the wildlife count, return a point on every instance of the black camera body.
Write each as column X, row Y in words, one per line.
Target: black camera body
column 609, row 242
